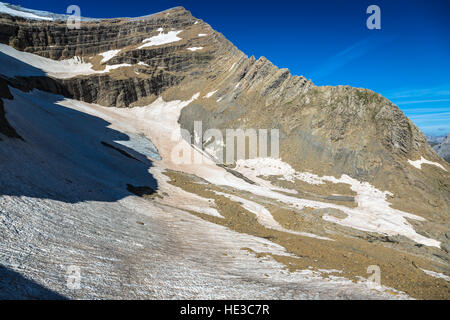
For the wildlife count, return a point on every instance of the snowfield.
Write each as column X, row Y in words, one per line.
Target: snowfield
column 92, row 222
column 264, row 217
column 210, row 94
column 80, row 210
column 373, row 214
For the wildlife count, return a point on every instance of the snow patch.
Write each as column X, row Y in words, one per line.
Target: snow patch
column 418, row 163
column 108, row 55
column 161, row 39
column 210, row 94
column 436, row 275
column 115, row 66
column 195, row 49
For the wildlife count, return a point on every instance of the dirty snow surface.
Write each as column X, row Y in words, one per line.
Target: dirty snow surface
column 78, row 213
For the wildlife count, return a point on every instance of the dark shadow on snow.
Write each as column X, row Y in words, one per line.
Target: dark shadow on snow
column 66, row 155
column 14, row 286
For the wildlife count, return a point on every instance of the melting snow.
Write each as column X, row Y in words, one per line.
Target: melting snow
column 373, row 214
column 264, row 217
column 210, row 94
column 418, row 163
column 161, row 38
column 160, row 122
column 108, row 55
column 115, row 66
column 202, row 34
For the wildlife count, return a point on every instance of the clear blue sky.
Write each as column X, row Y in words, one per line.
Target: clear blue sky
column 408, row 60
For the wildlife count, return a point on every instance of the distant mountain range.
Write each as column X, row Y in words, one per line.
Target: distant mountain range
column 442, row 147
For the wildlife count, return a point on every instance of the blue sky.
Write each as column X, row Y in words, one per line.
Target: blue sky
column 407, row 61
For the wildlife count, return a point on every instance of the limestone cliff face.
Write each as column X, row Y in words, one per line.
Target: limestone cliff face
column 325, row 130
